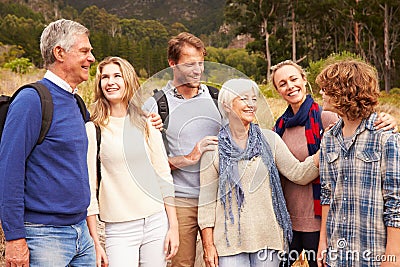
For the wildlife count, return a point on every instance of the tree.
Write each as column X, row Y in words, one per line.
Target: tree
column 19, row 65
column 22, row 32
column 257, row 18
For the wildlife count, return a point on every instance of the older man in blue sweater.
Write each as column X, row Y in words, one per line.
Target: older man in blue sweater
column 44, row 188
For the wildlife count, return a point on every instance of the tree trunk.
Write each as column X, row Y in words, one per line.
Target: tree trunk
column 294, row 56
column 267, row 51
column 386, row 72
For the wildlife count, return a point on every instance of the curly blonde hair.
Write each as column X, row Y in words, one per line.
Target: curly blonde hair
column 352, row 86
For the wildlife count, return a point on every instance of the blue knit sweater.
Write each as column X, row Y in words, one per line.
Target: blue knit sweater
column 47, row 183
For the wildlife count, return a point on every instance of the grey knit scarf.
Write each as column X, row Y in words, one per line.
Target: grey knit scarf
column 229, row 179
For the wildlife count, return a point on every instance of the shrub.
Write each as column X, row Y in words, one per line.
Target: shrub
column 317, row 66
column 19, row 65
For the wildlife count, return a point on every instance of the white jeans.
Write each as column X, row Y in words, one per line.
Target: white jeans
column 137, row 243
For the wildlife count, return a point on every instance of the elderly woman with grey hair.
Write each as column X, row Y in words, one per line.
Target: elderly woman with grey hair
column 242, row 211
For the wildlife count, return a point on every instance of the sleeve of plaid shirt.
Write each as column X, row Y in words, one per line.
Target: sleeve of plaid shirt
column 391, row 181
column 325, row 176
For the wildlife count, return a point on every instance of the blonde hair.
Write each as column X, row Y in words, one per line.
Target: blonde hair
column 132, row 96
column 286, row 63
column 352, row 86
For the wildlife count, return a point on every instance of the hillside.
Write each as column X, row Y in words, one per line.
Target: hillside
column 200, row 16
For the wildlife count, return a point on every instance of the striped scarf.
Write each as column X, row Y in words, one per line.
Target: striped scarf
column 229, row 178
column 309, row 115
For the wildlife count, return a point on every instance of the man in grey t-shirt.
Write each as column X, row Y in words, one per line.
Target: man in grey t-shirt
column 194, row 122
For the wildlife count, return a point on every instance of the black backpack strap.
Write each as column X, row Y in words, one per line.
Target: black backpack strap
column 214, row 93
column 4, row 104
column 98, row 162
column 82, row 107
column 163, row 111
column 47, row 106
column 162, row 105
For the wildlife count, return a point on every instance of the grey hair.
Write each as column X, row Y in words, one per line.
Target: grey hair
column 59, row 33
column 232, row 89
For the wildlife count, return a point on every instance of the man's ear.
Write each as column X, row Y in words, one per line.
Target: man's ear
column 59, row 53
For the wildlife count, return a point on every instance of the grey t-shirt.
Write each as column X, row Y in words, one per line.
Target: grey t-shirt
column 190, row 120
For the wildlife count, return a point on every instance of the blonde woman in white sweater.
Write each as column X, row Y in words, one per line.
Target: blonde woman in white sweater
column 135, row 194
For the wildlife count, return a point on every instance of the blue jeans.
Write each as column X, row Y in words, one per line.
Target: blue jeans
column 262, row 258
column 60, row 245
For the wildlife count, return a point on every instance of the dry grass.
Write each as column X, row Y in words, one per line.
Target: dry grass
column 10, row 81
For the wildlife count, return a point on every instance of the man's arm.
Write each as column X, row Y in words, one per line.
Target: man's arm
column 17, row 253
column 21, row 132
column 208, row 143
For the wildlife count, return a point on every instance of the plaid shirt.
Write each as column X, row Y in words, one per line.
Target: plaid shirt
column 360, row 181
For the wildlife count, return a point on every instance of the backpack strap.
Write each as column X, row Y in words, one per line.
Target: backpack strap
column 162, row 105
column 47, row 106
column 163, row 111
column 82, row 107
column 214, row 94
column 98, row 162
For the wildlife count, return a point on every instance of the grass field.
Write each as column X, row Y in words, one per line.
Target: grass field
column 10, row 81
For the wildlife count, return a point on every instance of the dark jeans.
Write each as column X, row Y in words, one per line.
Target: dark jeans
column 303, row 240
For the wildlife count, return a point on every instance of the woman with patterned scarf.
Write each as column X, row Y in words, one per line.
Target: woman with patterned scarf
column 301, row 127
column 242, row 210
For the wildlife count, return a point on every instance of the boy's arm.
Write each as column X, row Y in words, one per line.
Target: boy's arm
column 392, row 253
column 323, row 238
column 391, row 188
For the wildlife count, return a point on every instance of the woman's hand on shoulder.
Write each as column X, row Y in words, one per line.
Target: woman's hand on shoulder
column 386, row 122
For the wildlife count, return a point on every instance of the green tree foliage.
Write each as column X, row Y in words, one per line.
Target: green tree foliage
column 19, row 65
column 23, row 32
column 19, row 11
column 238, row 59
column 10, row 52
column 282, row 29
column 316, row 67
column 320, row 29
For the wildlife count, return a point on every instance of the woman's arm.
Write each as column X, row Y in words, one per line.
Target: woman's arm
column 210, row 251
column 101, row 258
column 93, row 208
column 298, row 172
column 171, row 244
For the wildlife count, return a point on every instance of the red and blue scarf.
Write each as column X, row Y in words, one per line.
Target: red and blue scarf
column 309, row 115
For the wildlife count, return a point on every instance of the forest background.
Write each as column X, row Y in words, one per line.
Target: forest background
column 248, row 35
